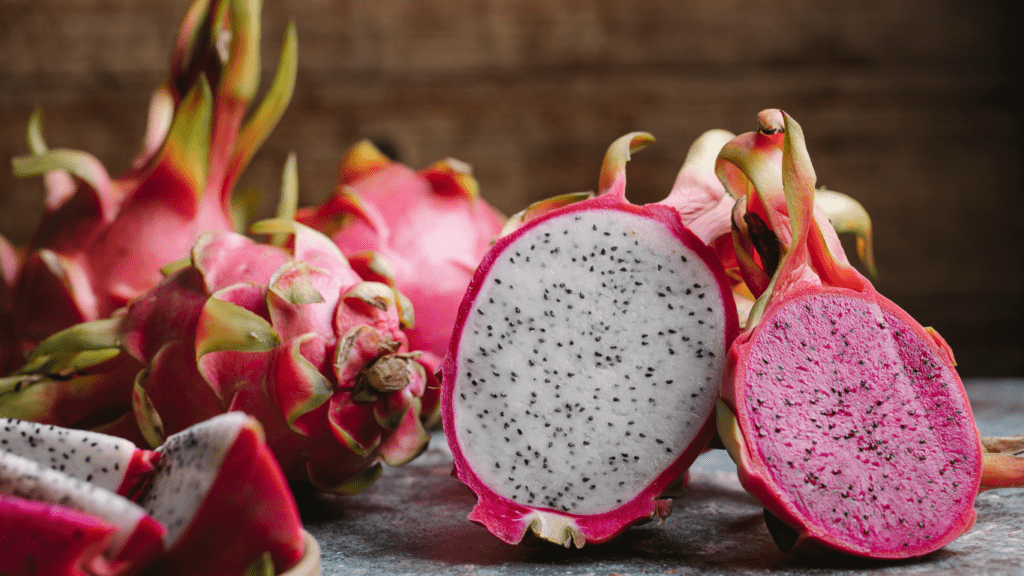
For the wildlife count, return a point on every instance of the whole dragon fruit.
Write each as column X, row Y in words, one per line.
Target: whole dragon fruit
column 582, row 375
column 429, row 229
column 103, row 240
column 291, row 335
column 846, row 418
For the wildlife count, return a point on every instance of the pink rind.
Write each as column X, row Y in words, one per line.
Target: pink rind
column 511, row 521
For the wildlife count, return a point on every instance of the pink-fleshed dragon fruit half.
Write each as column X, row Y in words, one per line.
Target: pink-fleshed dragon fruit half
column 290, row 334
column 583, row 370
column 427, row 231
column 845, row 416
column 102, row 240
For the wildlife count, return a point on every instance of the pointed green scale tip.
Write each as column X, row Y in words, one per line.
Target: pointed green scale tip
column 288, row 203
column 293, row 282
column 451, row 177
column 314, row 384
column 187, row 147
column 558, row 529
column 355, row 484
column 146, row 416
column 849, row 216
column 729, row 430
column 63, row 350
column 158, row 125
column 541, row 207
column 226, row 326
column 619, row 153
column 34, row 133
column 172, row 267
column 275, row 226
column 374, row 294
column 700, row 158
column 241, row 76
column 267, row 115
column 361, row 160
column 372, row 266
column 81, row 165
column 245, row 205
column 188, row 35
column 262, row 566
column 406, row 314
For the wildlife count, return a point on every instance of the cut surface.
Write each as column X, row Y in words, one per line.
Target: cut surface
column 588, row 362
column 860, row 423
column 191, row 461
column 99, row 459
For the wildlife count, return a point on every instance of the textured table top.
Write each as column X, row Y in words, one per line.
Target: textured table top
column 413, row 521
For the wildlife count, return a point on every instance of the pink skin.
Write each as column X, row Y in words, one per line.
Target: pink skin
column 102, row 240
column 511, row 521
column 430, row 226
column 867, row 395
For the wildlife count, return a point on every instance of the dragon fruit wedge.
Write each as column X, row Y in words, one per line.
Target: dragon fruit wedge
column 219, row 476
column 102, row 460
column 101, row 240
column 53, row 523
column 846, row 418
column 290, row 334
column 582, row 374
column 428, row 230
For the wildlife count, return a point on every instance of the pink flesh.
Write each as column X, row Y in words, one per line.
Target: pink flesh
column 861, row 424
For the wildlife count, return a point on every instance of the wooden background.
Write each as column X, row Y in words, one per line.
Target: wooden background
column 914, row 108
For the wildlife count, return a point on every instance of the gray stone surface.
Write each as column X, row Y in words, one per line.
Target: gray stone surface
column 413, row 521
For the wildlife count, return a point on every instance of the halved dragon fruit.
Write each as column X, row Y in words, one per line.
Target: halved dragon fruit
column 582, row 374
column 102, row 460
column 846, row 418
column 427, row 231
column 56, row 524
column 101, row 240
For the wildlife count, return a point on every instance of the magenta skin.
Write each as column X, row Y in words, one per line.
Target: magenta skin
column 859, row 426
column 510, row 520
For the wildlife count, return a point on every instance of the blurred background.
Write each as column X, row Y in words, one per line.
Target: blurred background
column 913, row 108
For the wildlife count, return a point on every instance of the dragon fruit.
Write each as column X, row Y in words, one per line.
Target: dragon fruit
column 220, row 475
column 583, row 370
column 846, row 418
column 103, row 240
column 426, row 232
column 289, row 334
column 57, row 524
column 62, row 518
column 102, row 460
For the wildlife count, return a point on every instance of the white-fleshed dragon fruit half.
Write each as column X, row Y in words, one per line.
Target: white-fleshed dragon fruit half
column 845, row 416
column 423, row 232
column 582, row 374
column 102, row 240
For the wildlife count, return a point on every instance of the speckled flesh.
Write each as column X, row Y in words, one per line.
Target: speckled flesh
column 858, row 426
column 220, row 473
column 100, row 459
column 581, row 382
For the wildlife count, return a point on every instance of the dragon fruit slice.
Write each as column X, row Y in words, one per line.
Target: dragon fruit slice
column 103, row 240
column 102, row 460
column 105, row 533
column 583, row 370
column 219, row 476
column 427, row 231
column 846, row 418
